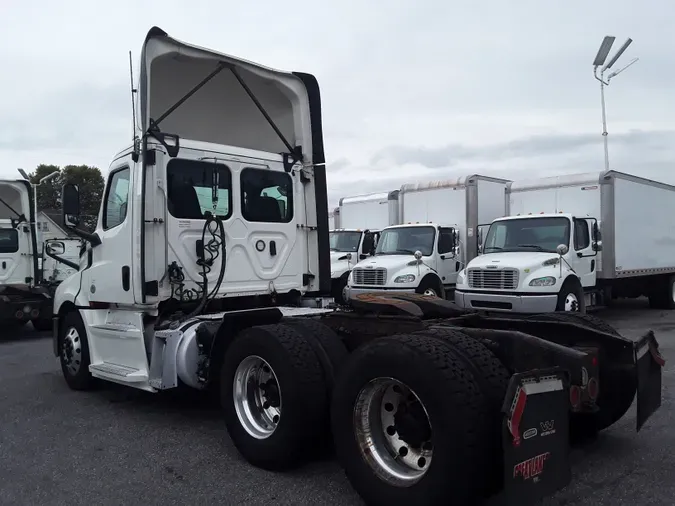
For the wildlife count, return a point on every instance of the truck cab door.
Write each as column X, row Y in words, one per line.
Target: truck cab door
column 108, row 277
column 446, row 265
column 585, row 261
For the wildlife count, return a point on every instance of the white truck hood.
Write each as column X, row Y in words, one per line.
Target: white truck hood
column 516, row 260
column 389, row 262
column 221, row 112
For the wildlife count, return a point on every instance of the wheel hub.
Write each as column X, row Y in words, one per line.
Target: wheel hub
column 257, row 397
column 411, row 424
column 393, row 432
column 71, row 351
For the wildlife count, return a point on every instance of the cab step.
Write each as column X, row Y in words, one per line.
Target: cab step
column 116, row 372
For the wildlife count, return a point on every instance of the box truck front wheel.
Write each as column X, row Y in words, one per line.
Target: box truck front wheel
column 74, row 353
column 273, row 394
column 432, row 286
column 571, row 297
column 408, row 423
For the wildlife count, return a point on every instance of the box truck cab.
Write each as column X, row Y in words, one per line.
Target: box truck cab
column 411, row 258
column 573, row 242
column 358, row 223
column 529, row 260
column 440, row 221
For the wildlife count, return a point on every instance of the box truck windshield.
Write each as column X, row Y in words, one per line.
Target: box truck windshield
column 527, row 234
column 406, row 241
column 344, row 241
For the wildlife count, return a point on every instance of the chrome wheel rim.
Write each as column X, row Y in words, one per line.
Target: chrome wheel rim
column 71, row 351
column 571, row 303
column 430, row 291
column 393, row 432
column 257, row 397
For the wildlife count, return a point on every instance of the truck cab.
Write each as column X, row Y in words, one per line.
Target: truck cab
column 533, row 263
column 419, row 257
column 347, row 248
column 220, row 203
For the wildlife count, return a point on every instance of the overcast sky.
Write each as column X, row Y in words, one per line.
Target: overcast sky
column 411, row 90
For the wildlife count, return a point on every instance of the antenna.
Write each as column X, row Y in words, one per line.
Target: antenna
column 133, row 105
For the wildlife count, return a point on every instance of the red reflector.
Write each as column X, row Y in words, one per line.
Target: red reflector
column 594, row 361
column 575, row 396
column 592, row 388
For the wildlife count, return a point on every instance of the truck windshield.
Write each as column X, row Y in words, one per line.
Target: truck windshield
column 9, row 240
column 406, row 240
column 527, row 234
column 345, row 241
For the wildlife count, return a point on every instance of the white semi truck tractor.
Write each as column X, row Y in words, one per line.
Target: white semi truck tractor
column 210, row 270
column 575, row 242
column 437, row 235
column 361, row 219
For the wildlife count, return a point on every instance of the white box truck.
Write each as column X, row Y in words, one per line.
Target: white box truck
column 577, row 241
column 360, row 221
column 437, row 235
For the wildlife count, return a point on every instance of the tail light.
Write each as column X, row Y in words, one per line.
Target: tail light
column 575, row 396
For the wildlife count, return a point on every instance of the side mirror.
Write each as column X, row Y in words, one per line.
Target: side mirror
column 56, row 248
column 70, row 203
column 349, row 257
column 562, row 249
column 418, row 255
column 597, row 246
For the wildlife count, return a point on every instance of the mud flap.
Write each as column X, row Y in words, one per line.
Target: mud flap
column 649, row 364
column 535, row 435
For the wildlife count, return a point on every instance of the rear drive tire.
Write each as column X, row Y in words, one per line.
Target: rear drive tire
column 663, row 294
column 329, row 348
column 74, row 353
column 408, row 423
column 614, row 401
column 493, row 379
column 273, row 394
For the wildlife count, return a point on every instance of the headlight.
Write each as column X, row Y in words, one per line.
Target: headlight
column 460, row 277
column 545, row 281
column 406, row 278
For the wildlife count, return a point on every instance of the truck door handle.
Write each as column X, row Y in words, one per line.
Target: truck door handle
column 273, row 248
column 4, row 265
column 126, row 274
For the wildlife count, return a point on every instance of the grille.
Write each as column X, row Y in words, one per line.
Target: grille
column 363, row 276
column 498, row 279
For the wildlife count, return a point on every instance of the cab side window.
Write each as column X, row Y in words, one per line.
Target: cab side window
column 117, row 198
column 267, row 196
column 445, row 240
column 582, row 238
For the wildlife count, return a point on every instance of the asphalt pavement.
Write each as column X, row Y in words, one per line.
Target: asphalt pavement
column 117, row 446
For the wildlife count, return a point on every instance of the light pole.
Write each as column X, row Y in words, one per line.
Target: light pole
column 599, row 61
column 35, row 186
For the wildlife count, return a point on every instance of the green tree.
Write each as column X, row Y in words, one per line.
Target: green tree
column 49, row 192
column 90, row 183
column 88, row 179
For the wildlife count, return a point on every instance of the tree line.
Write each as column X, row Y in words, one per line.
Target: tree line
column 88, row 179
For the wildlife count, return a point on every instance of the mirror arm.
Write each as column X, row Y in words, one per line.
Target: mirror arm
column 92, row 239
column 70, row 264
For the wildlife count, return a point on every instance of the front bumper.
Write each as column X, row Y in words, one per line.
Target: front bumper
column 471, row 299
column 353, row 291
